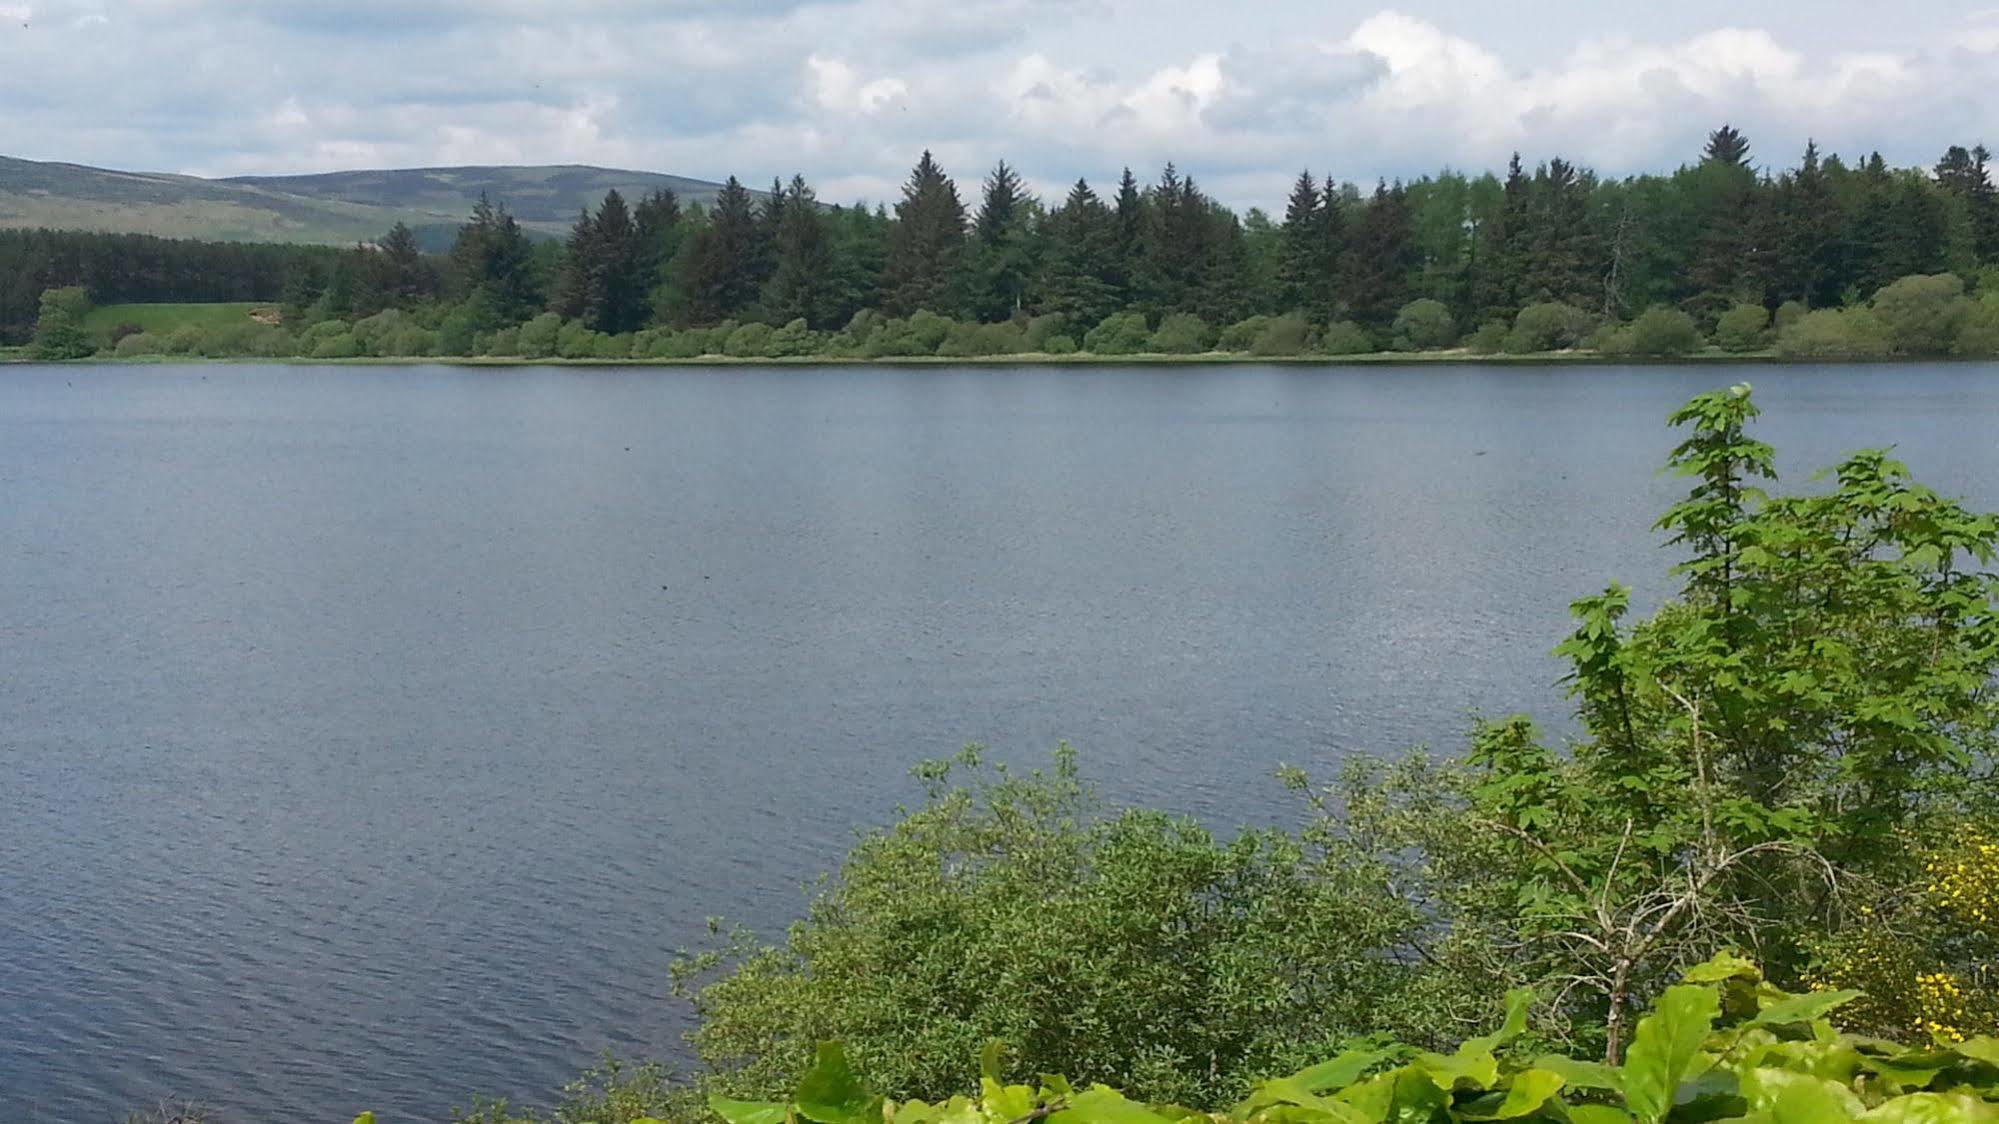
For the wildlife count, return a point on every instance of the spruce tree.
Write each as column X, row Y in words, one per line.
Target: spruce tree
column 801, row 283
column 719, row 279
column 926, row 258
column 1079, row 276
column 1302, row 284
column 1376, row 285
column 657, row 225
column 1000, row 265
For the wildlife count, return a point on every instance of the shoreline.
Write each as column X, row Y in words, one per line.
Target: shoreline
column 1026, row 359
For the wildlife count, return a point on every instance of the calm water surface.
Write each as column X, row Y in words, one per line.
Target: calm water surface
column 372, row 736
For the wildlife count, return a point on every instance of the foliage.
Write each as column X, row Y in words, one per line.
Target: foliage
column 1922, row 315
column 1724, row 1045
column 1282, row 335
column 1425, row 324
column 1548, row 326
column 1834, row 334
column 1121, row 333
column 1127, row 946
column 1661, row 331
column 1345, row 337
column 1489, row 339
column 1182, row 333
column 59, row 331
column 1742, row 328
column 1978, row 336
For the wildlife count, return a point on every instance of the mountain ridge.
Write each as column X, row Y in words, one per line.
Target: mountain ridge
column 332, row 208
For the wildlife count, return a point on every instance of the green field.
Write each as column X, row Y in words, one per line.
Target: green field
column 162, row 319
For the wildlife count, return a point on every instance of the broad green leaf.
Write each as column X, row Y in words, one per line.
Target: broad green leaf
column 1664, row 1048
column 1899, row 1073
column 1597, row 1114
column 1340, row 1072
column 1005, row 1102
column 830, row 1093
column 1724, row 966
column 1582, row 1075
column 1785, row 1097
column 992, row 1060
column 1416, row 1100
column 1981, row 1049
column 1934, row 1108
column 1530, row 1089
column 1101, row 1104
column 1450, row 1071
column 748, row 1112
column 1802, row 1008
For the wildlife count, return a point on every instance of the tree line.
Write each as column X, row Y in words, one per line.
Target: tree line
column 1341, row 267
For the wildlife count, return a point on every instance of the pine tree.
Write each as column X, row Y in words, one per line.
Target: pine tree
column 720, row 270
column 1128, row 249
column 1376, row 285
column 1726, row 146
column 492, row 259
column 657, row 223
column 926, row 258
column 1079, row 276
column 1304, row 284
column 1962, row 172
column 405, row 278
column 1001, row 264
column 801, row 284
column 1500, row 256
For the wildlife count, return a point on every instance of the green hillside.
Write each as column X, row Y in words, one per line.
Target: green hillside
column 333, row 208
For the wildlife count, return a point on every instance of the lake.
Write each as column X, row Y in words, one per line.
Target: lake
column 374, row 735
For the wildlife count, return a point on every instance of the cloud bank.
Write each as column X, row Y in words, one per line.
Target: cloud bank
column 848, row 91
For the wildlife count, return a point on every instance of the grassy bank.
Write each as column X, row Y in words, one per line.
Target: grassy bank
column 165, row 319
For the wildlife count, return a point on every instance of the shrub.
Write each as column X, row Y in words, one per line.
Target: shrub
column 1425, row 325
column 1489, row 339
column 1550, row 326
column 139, row 343
column 1282, row 335
column 59, row 330
column 1662, row 331
column 415, row 342
column 576, row 340
column 123, row 329
column 617, row 346
column 927, row 331
column 504, row 343
column 1787, row 314
column 538, row 336
column 1834, row 334
column 187, row 340
column 342, row 346
column 1120, row 333
column 1742, row 328
column 1118, row 943
column 1041, row 329
column 1182, row 333
column 1978, row 337
column 1059, row 344
column 376, row 334
column 1344, row 337
column 1921, row 315
column 751, row 341
column 1242, row 335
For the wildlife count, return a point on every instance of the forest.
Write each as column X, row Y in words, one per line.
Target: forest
column 1722, row 251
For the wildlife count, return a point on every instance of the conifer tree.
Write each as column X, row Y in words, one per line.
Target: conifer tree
column 1376, row 285
column 1002, row 247
column 801, row 283
column 1078, row 279
column 657, row 225
column 926, row 258
column 720, row 278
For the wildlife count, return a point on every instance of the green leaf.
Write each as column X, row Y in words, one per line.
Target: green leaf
column 1799, row 1098
column 1104, row 1105
column 1597, row 1114
column 992, row 1060
column 1664, row 1048
column 1582, row 1075
column 1340, row 1072
column 1530, row 1089
column 1802, row 1008
column 1724, row 966
column 1005, row 1102
column 365, row 1118
column 1933, row 1108
column 746, row 1112
column 1982, row 1048
column 1901, row 1073
column 830, row 1093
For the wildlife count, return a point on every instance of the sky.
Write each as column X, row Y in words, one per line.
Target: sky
column 1242, row 95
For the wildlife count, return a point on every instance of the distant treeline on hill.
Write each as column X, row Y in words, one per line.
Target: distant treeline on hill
column 1707, row 240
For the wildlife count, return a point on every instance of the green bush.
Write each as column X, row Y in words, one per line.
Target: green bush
column 751, row 341
column 1921, row 315
column 1059, row 344
column 1787, row 314
column 343, row 346
column 1182, row 333
column 504, row 343
column 140, row 344
column 1041, row 329
column 188, row 338
column 1978, row 337
column 538, row 336
column 1662, row 331
column 1242, row 335
column 1281, row 336
column 1742, row 328
column 1829, row 333
column 1120, row 333
column 927, row 331
column 617, row 346
column 577, row 340
column 1489, row 339
column 1119, row 944
column 793, row 339
column 59, row 331
column 1344, row 337
column 1425, row 325
column 1550, row 326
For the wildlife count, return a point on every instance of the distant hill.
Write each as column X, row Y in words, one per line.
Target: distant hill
column 333, row 207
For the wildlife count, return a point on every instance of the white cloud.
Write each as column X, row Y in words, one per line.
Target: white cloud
column 848, row 91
